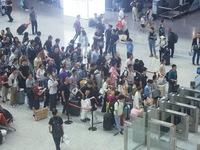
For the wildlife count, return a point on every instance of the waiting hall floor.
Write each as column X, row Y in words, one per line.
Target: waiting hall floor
column 32, row 134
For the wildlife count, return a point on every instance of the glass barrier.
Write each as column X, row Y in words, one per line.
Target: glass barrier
column 157, row 136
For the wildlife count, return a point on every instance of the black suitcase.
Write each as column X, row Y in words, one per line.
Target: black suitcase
column 166, row 56
column 107, row 121
column 21, row 28
column 74, row 111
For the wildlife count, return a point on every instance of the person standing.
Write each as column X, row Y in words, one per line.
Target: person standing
column 162, row 46
column 118, row 111
column 65, row 92
column 77, row 27
column 52, row 86
column 113, row 42
column 12, row 82
column 196, row 48
column 125, row 27
column 121, row 14
column 48, row 45
column 152, row 40
column 172, row 78
column 9, row 10
column 56, row 128
column 134, row 10
column 99, row 40
column 33, row 20
column 162, row 28
column 95, row 55
column 108, row 37
column 171, row 41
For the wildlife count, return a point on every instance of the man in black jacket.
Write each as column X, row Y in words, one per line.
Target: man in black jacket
column 196, row 48
column 171, row 41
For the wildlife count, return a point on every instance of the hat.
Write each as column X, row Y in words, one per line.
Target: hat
column 162, row 37
column 89, row 82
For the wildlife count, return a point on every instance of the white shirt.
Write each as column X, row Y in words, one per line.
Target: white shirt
column 40, row 73
column 52, row 90
column 128, row 61
column 119, row 106
column 12, row 80
column 142, row 20
column 137, row 98
column 120, row 15
column 11, row 58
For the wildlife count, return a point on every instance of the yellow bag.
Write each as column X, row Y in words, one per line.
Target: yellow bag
column 107, row 106
column 83, row 83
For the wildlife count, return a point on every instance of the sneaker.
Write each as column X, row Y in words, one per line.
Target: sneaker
column 83, row 120
column 151, row 56
column 156, row 57
column 115, row 133
column 87, row 119
column 121, row 132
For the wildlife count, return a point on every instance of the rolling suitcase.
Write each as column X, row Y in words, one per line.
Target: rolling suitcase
column 74, row 111
column 21, row 96
column 107, row 121
column 22, row 28
column 127, row 111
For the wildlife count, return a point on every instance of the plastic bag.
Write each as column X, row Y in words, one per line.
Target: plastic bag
column 65, row 139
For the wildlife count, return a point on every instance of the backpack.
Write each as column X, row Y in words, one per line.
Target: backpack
column 56, row 127
column 125, row 73
column 175, row 37
column 112, row 106
column 167, row 76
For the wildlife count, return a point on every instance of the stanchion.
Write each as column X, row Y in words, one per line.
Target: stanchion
column 68, row 121
column 92, row 128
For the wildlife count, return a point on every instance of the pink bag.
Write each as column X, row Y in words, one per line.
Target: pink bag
column 135, row 113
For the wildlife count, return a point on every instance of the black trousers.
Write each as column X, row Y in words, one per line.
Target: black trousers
column 127, row 33
column 66, row 107
column 9, row 15
column 34, row 26
column 76, row 35
column 52, row 101
column 46, row 102
column 57, row 141
column 107, row 45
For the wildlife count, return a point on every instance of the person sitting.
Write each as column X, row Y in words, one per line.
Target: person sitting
column 8, row 116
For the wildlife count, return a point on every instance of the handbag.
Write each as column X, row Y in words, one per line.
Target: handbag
column 191, row 52
column 161, row 81
column 86, row 103
column 135, row 112
column 65, row 139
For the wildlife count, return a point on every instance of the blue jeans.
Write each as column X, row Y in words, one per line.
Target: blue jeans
column 196, row 52
column 117, row 121
column 152, row 47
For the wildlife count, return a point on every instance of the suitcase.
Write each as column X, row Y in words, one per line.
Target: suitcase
column 41, row 113
column 74, row 111
column 21, row 96
column 22, row 28
column 127, row 111
column 107, row 121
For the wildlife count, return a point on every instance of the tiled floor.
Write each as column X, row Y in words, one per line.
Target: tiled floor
column 31, row 134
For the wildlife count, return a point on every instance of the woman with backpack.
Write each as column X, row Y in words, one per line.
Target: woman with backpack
column 56, row 128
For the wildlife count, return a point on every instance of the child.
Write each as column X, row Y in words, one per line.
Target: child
column 129, row 46
column 142, row 23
